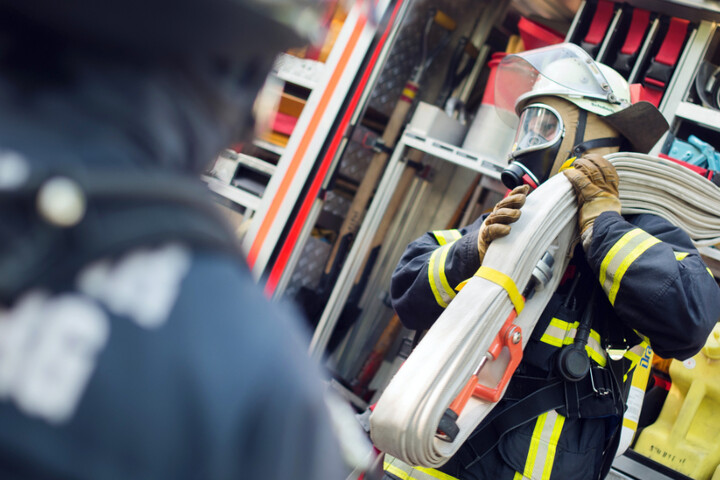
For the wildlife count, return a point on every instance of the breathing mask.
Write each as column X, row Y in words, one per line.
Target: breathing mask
column 552, row 132
column 535, row 147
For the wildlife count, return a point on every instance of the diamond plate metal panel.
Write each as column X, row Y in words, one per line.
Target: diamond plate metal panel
column 336, row 204
column 407, row 50
column 310, row 266
column 355, row 161
column 405, row 54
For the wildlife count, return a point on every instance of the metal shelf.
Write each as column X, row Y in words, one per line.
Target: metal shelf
column 299, row 71
column 233, row 194
column 268, row 146
column 705, row 117
column 256, row 164
column 453, row 154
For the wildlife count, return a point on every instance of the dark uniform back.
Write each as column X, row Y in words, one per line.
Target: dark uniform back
column 133, row 340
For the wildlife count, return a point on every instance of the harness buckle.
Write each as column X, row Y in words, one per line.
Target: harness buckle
column 601, row 391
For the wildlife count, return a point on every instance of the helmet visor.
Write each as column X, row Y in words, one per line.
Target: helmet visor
column 540, row 127
column 564, row 69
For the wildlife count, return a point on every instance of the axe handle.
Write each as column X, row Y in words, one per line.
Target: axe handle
column 398, row 196
column 391, row 330
column 351, row 224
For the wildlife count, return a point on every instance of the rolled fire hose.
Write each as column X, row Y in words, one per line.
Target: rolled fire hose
column 405, row 420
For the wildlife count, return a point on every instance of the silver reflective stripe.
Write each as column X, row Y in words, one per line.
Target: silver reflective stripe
column 560, row 332
column 406, row 472
column 543, row 445
column 620, row 257
column 446, row 236
column 441, row 289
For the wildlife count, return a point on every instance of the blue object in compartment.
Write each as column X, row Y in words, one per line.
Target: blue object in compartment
column 696, row 152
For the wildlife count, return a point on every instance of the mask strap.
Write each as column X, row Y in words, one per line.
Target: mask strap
column 583, row 147
column 581, row 123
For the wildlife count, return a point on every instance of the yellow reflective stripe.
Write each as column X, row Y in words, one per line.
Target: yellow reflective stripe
column 543, row 445
column 406, row 472
column 560, row 332
column 617, row 278
column 505, row 282
column 552, row 448
column 435, row 473
column 555, row 333
column 534, row 443
column 633, row 357
column 436, row 276
column 599, row 358
column 396, row 471
column 613, row 252
column 446, row 236
column 620, row 257
column 595, row 350
column 518, row 476
column 710, row 272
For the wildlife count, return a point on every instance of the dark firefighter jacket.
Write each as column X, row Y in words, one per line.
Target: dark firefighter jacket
column 656, row 288
column 165, row 361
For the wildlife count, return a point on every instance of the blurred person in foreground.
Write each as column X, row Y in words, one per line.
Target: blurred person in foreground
column 133, row 341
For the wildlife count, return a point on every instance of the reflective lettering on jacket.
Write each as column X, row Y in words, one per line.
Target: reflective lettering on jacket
column 441, row 289
column 619, row 258
column 640, row 357
column 403, row 471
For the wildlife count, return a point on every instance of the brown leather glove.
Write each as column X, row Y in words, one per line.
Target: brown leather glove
column 595, row 182
column 497, row 224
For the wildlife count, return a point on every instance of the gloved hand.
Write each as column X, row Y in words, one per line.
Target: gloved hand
column 497, row 224
column 595, row 182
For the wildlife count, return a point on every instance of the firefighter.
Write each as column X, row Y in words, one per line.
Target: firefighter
column 636, row 281
column 133, row 340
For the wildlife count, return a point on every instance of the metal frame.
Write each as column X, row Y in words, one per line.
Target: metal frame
column 575, row 21
column 695, row 50
column 313, row 125
column 410, row 139
column 318, row 205
column 693, row 10
column 234, row 194
column 706, row 117
column 600, row 57
column 644, row 49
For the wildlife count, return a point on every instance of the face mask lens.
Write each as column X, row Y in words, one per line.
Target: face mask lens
column 539, row 128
